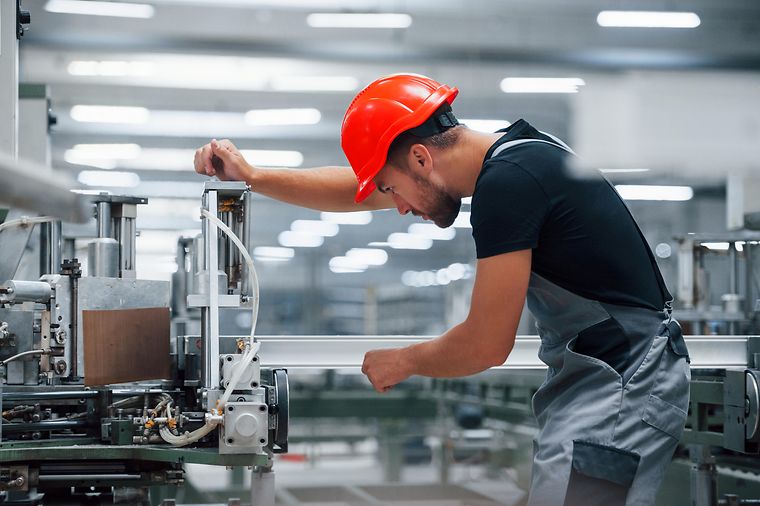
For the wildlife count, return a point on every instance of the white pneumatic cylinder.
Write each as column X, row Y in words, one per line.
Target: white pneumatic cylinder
column 262, row 487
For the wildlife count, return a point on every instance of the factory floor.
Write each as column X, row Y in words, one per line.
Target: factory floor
column 359, row 481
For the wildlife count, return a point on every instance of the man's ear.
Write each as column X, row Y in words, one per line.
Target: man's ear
column 420, row 159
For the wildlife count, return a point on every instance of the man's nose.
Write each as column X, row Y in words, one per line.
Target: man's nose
column 402, row 206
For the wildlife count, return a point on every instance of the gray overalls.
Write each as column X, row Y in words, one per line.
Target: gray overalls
column 606, row 435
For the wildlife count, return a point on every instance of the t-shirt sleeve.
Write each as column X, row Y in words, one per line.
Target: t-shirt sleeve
column 509, row 207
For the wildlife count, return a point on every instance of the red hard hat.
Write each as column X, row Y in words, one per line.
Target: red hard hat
column 379, row 113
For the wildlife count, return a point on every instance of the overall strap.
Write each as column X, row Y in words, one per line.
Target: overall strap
column 666, row 296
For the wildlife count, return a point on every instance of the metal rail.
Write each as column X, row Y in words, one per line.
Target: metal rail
column 336, row 352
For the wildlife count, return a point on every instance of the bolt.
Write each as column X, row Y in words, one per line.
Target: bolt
column 256, row 359
column 60, row 367
column 18, row 482
column 262, row 408
column 230, row 441
column 230, row 408
column 254, row 385
column 262, row 441
column 60, row 337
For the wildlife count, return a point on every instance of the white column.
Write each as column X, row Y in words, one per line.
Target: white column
column 8, row 79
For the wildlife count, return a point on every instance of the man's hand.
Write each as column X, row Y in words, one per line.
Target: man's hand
column 386, row 368
column 222, row 159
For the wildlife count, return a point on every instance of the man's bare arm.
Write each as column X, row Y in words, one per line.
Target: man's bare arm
column 321, row 188
column 485, row 339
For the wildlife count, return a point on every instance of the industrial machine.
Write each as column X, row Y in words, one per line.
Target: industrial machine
column 94, row 402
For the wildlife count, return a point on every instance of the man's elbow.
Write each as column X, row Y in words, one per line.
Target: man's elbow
column 498, row 356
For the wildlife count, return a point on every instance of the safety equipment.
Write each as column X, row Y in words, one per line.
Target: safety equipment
column 383, row 110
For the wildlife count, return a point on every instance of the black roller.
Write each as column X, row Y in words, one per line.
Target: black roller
column 282, row 409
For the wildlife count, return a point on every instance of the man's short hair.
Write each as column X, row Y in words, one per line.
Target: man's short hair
column 399, row 148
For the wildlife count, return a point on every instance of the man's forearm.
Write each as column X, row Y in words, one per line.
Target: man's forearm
column 455, row 353
column 322, row 188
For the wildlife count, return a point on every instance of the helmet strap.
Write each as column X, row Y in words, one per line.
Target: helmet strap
column 440, row 121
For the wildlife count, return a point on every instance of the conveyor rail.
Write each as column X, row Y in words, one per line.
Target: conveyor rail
column 336, row 352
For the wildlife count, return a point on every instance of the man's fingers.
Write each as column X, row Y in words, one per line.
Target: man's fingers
column 206, row 160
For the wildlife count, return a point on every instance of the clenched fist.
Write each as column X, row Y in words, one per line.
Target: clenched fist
column 386, row 368
column 222, row 159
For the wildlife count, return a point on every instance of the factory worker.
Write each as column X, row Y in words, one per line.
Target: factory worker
column 614, row 402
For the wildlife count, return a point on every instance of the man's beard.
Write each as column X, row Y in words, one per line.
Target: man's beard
column 443, row 209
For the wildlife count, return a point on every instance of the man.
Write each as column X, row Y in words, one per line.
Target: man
column 614, row 403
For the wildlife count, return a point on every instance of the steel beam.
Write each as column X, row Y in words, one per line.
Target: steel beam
column 336, row 352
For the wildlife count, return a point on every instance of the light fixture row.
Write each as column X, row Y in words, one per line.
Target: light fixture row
column 375, row 20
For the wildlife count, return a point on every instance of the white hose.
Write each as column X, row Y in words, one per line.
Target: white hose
column 187, row 437
column 249, row 262
column 238, row 371
column 26, row 220
column 254, row 345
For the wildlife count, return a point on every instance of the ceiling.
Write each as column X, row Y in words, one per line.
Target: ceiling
column 198, row 66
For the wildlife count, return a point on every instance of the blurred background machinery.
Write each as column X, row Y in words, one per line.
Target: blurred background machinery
column 113, row 106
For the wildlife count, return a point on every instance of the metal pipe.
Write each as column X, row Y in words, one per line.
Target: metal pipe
column 26, row 291
column 50, row 248
column 749, row 302
column 24, row 354
column 50, row 396
column 22, row 182
column 12, row 428
column 105, row 227
column 103, row 258
column 246, row 290
column 87, row 477
column 336, row 352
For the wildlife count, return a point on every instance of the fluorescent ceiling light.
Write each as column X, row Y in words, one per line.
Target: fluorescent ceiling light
column 648, row 19
column 315, row 227
column 622, row 171
column 358, row 20
column 541, row 84
column 273, row 157
column 111, row 68
column 341, row 265
column 346, row 264
column 432, row 231
column 462, row 220
column 109, row 114
column 91, row 8
column 368, row 256
column 273, row 254
column 109, row 178
column 653, row 192
column 102, row 151
column 103, row 156
column 314, row 83
column 291, row 239
column 352, row 218
column 716, row 246
column 275, row 117
column 400, row 240
column 456, row 271
column 133, row 157
column 485, row 125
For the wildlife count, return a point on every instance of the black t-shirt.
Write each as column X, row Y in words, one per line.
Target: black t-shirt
column 582, row 235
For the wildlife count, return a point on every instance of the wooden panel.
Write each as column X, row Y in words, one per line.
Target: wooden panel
column 122, row 345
